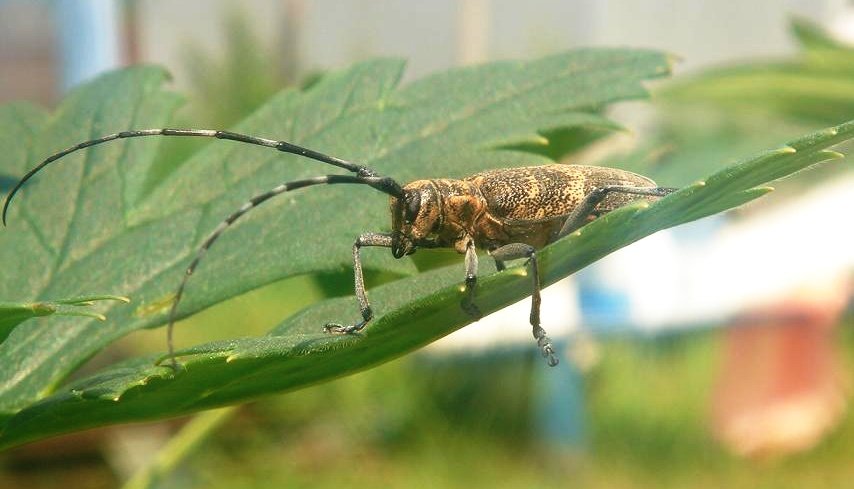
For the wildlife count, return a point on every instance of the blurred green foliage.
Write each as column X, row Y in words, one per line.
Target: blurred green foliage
column 705, row 120
column 413, row 423
column 817, row 86
column 226, row 86
column 418, row 423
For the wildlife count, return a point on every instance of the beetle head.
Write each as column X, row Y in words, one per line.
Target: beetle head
column 414, row 216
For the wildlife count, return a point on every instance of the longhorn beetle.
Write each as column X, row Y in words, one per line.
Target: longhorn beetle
column 508, row 212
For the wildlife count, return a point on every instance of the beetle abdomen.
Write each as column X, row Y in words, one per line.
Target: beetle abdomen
column 541, row 192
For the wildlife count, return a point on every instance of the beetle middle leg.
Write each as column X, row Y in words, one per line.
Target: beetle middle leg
column 467, row 303
column 367, row 239
column 521, row 250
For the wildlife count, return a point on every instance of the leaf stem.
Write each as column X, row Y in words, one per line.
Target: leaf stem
column 181, row 446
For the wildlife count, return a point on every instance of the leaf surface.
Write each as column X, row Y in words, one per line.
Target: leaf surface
column 411, row 313
column 89, row 222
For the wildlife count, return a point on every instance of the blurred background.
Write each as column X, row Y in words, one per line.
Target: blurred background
column 716, row 354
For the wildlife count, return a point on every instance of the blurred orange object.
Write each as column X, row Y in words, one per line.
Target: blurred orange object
column 780, row 389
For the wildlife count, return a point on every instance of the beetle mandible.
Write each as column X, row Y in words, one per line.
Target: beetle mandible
column 509, row 212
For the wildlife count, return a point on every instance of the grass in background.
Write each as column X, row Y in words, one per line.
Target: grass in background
column 413, row 423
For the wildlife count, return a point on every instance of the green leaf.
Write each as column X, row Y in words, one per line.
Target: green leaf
column 817, row 86
column 411, row 313
column 708, row 119
column 89, row 222
column 14, row 313
column 812, row 36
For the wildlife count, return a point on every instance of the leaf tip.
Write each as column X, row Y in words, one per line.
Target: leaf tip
column 539, row 140
column 832, row 155
column 42, row 308
column 672, row 59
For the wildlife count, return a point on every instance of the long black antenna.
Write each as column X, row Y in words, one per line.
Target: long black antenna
column 375, row 182
column 388, row 186
column 363, row 175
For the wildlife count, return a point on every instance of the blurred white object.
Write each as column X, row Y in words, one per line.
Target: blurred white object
column 90, row 39
column 842, row 24
column 772, row 254
column 751, row 262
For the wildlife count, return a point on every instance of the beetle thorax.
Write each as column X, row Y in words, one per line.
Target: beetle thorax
column 435, row 213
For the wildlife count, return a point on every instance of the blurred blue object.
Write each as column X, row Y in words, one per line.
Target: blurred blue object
column 561, row 412
column 89, row 39
column 650, row 285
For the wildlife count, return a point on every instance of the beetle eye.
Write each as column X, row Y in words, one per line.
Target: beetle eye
column 413, row 205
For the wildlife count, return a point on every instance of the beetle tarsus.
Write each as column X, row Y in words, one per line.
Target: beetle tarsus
column 545, row 344
column 342, row 329
column 467, row 304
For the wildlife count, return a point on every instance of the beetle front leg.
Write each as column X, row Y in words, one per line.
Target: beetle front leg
column 521, row 250
column 367, row 239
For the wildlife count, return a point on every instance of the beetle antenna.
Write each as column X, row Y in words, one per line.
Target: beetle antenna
column 383, row 184
column 283, row 146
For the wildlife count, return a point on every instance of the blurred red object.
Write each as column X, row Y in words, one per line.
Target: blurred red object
column 780, row 388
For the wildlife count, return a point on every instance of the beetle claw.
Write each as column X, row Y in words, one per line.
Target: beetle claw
column 471, row 308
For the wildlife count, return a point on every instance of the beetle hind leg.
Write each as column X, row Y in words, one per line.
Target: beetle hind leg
column 521, row 250
column 579, row 216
